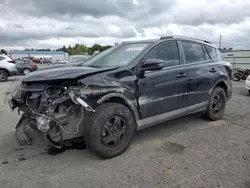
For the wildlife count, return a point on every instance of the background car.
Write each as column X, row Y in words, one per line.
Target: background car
column 7, row 67
column 36, row 60
column 45, row 61
column 25, row 66
column 62, row 61
column 247, row 84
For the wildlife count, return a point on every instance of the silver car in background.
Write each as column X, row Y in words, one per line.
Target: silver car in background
column 7, row 67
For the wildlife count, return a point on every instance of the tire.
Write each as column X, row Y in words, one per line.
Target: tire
column 249, row 92
column 98, row 130
column 3, row 75
column 26, row 71
column 210, row 112
column 236, row 76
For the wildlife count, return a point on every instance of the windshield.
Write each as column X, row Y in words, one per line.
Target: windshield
column 120, row 55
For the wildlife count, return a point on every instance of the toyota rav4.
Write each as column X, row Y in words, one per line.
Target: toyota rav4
column 129, row 87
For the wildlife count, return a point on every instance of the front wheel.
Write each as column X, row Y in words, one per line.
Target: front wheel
column 236, row 76
column 216, row 104
column 110, row 130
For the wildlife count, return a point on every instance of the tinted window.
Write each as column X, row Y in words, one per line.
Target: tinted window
column 27, row 61
column 211, row 51
column 167, row 52
column 2, row 58
column 19, row 62
column 193, row 52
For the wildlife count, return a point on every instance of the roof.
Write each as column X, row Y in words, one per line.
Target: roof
column 140, row 41
column 36, row 52
column 170, row 37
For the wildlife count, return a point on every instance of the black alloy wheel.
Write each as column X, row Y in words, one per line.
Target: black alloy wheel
column 110, row 130
column 216, row 104
column 114, row 132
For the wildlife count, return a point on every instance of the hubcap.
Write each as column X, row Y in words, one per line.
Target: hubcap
column 114, row 132
column 26, row 71
column 2, row 75
column 217, row 103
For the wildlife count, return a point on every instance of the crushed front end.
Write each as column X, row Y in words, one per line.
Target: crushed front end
column 57, row 110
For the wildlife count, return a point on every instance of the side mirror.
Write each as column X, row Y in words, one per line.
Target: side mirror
column 152, row 65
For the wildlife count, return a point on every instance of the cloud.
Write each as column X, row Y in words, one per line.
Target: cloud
column 54, row 23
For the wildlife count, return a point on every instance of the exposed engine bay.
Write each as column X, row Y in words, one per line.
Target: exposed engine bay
column 57, row 111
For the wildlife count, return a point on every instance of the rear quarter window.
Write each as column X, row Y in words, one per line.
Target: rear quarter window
column 211, row 51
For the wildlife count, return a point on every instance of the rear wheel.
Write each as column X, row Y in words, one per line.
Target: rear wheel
column 249, row 92
column 236, row 77
column 26, row 71
column 110, row 130
column 3, row 75
column 216, row 105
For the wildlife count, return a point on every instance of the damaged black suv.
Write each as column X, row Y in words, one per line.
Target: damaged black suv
column 127, row 88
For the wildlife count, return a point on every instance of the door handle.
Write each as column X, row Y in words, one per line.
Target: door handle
column 213, row 70
column 181, row 75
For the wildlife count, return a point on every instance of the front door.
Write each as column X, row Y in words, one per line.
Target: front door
column 159, row 91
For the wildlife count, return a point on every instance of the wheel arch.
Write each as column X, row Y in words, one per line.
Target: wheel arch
column 120, row 98
column 220, row 83
column 5, row 71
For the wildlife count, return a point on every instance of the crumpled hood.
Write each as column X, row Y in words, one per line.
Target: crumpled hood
column 66, row 72
column 60, row 65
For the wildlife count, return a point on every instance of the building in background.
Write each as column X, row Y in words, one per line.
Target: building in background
column 238, row 58
column 53, row 55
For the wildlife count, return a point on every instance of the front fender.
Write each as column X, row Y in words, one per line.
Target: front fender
column 131, row 103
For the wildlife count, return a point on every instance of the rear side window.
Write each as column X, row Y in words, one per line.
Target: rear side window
column 2, row 58
column 168, row 52
column 19, row 62
column 193, row 52
column 211, row 51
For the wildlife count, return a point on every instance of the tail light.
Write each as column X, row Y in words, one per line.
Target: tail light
column 33, row 64
column 12, row 61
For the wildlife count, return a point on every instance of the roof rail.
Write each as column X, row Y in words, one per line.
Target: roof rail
column 184, row 37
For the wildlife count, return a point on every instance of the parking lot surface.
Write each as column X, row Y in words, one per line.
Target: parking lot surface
column 187, row 152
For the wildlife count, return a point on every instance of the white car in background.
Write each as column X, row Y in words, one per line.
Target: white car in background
column 7, row 67
column 63, row 61
column 247, row 84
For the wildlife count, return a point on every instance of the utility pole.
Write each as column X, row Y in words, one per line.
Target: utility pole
column 220, row 42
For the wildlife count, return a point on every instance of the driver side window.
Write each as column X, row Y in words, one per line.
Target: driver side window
column 168, row 52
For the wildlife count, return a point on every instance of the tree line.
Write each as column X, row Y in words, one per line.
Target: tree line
column 78, row 49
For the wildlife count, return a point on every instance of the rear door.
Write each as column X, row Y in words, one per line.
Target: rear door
column 200, row 71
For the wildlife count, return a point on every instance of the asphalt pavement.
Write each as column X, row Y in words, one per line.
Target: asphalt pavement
column 188, row 152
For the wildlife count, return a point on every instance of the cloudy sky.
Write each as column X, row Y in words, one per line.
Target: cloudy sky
column 54, row 23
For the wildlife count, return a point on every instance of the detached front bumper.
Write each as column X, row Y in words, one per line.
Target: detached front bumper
column 20, row 135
